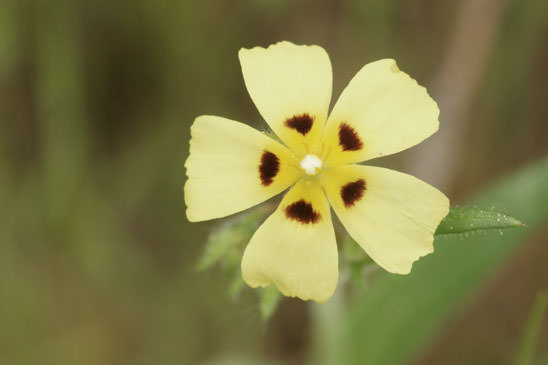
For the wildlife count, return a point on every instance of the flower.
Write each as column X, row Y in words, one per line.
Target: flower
column 232, row 167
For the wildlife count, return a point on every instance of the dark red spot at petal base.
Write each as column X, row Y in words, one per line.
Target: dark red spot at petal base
column 269, row 167
column 303, row 212
column 301, row 123
column 352, row 192
column 349, row 139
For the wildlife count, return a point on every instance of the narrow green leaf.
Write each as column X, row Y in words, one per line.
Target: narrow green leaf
column 468, row 219
column 270, row 298
column 526, row 348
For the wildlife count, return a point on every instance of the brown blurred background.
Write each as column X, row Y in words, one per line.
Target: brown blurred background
column 97, row 260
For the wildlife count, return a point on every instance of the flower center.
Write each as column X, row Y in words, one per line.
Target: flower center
column 311, row 164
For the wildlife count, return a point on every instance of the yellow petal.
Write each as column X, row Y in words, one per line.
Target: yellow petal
column 382, row 111
column 295, row 248
column 291, row 87
column 232, row 167
column 392, row 216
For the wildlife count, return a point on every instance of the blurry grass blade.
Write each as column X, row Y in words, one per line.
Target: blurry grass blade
column 467, row 219
column 62, row 106
column 8, row 34
column 270, row 298
column 526, row 348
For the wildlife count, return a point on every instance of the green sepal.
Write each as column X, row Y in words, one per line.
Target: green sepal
column 269, row 300
column 233, row 234
column 236, row 285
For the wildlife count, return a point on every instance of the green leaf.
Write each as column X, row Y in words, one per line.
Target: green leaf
column 270, row 298
column 468, row 219
column 526, row 348
column 397, row 316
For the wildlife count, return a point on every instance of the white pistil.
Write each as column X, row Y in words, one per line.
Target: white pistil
column 311, row 164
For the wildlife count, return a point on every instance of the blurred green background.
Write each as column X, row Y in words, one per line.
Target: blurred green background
column 97, row 260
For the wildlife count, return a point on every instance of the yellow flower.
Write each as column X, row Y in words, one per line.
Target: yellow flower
column 232, row 167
